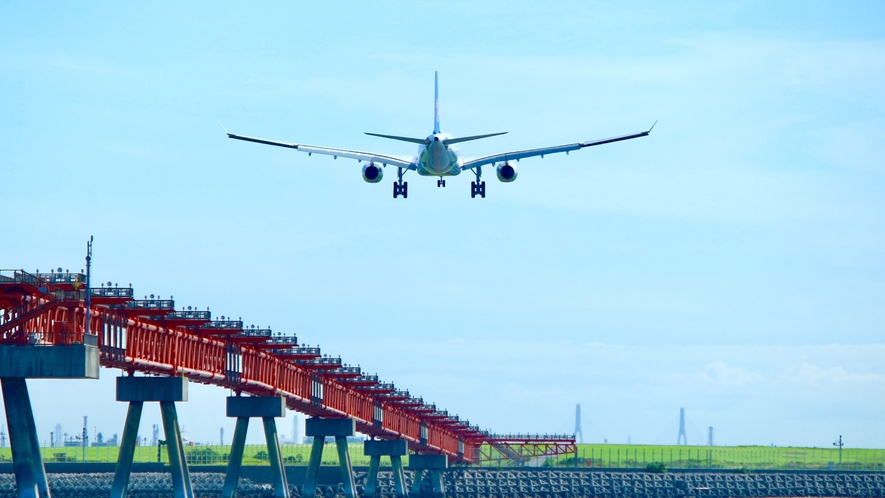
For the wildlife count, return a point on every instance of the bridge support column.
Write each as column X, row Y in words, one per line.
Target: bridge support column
column 319, row 429
column 244, row 408
column 30, row 475
column 435, row 465
column 395, row 449
column 18, row 363
column 166, row 391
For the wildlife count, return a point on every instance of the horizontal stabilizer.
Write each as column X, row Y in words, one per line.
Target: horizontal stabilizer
column 402, row 139
column 474, row 137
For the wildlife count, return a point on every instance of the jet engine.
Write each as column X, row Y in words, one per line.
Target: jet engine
column 372, row 173
column 506, row 172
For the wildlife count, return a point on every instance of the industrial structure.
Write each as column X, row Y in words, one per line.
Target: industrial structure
column 579, row 434
column 681, row 438
column 55, row 325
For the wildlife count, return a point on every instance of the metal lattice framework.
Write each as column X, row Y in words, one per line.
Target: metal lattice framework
column 520, row 449
column 150, row 336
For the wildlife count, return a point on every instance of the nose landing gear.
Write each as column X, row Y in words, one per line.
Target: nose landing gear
column 440, row 183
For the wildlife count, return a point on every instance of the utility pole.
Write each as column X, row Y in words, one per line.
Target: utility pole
column 839, row 444
column 88, row 292
column 85, row 438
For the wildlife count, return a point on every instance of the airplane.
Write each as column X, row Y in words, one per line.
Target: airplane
column 436, row 156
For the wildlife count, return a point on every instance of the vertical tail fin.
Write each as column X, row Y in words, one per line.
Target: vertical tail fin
column 435, row 102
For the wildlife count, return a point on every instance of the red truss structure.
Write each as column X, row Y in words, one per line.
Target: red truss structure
column 150, row 336
column 522, row 449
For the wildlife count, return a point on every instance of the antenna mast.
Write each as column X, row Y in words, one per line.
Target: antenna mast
column 88, row 282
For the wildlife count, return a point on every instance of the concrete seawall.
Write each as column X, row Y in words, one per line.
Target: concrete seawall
column 86, row 480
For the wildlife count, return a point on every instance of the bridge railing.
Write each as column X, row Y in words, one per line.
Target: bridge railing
column 19, row 277
column 533, row 437
column 112, row 292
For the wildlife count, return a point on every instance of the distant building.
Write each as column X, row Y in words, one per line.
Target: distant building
column 101, row 441
column 57, row 436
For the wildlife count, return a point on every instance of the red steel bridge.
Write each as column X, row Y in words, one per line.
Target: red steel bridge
column 150, row 336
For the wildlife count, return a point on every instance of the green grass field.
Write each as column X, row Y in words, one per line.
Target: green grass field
column 721, row 457
column 293, row 454
column 589, row 455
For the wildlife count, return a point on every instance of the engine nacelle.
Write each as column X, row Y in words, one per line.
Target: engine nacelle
column 506, row 172
column 372, row 173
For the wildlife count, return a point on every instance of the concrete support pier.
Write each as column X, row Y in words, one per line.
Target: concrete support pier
column 435, row 465
column 395, row 449
column 319, row 429
column 17, row 363
column 265, row 407
column 30, row 475
column 166, row 391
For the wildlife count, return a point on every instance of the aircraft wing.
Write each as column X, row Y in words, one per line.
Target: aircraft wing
column 336, row 153
column 543, row 151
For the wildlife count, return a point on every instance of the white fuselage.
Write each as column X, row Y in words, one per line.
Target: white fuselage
column 437, row 159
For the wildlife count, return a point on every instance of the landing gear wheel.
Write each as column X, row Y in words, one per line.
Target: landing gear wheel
column 400, row 189
column 440, row 183
column 478, row 189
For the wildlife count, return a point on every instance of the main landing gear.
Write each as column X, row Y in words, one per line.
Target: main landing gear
column 440, row 183
column 478, row 187
column 400, row 188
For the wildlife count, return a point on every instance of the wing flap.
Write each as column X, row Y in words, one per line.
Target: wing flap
column 327, row 151
column 517, row 155
column 358, row 155
column 521, row 154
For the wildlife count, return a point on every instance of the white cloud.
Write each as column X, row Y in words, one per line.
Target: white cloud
column 809, row 373
column 720, row 372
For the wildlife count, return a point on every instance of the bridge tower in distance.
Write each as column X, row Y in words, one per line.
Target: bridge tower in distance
column 579, row 434
column 681, row 439
column 710, row 436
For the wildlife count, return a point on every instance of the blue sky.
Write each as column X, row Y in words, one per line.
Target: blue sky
column 730, row 263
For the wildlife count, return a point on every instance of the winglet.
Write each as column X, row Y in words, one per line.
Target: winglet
column 652, row 126
column 225, row 131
